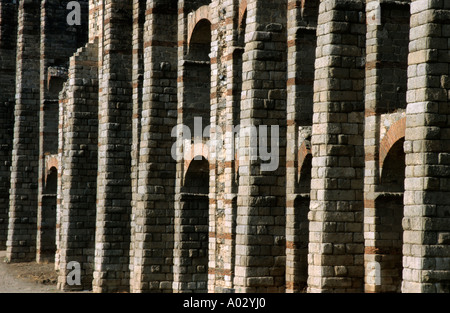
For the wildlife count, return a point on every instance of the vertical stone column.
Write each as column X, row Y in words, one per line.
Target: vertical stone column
column 112, row 243
column 95, row 19
column 223, row 185
column 223, row 233
column 21, row 243
column 59, row 41
column 77, row 154
column 336, row 211
column 302, row 28
column 139, row 9
column 77, row 182
column 292, row 144
column 426, row 220
column 192, row 202
column 183, row 10
column 8, row 40
column 260, row 230
column 371, row 135
column 385, row 102
column 152, row 239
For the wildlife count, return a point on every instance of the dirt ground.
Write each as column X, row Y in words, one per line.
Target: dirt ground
column 27, row 277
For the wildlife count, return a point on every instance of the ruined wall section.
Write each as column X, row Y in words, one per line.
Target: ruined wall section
column 96, row 9
column 8, row 40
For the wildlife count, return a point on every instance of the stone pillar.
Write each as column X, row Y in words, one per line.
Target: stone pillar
column 226, row 63
column 371, row 138
column 302, row 41
column 192, row 205
column 385, row 103
column 153, row 212
column 77, row 183
column 112, row 243
column 426, row 223
column 226, row 117
column 96, row 8
column 292, row 142
column 139, row 9
column 21, row 243
column 260, row 230
column 58, row 43
column 336, row 211
column 8, row 40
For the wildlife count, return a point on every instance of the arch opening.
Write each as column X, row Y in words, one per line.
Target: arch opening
column 298, row 231
column 393, row 170
column 200, row 42
column 197, row 78
column 388, row 220
column 194, row 227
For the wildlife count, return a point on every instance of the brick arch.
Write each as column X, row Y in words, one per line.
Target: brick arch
column 394, row 134
column 52, row 161
column 202, row 13
column 197, row 150
column 242, row 11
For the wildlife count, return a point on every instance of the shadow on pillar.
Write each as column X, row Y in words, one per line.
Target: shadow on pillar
column 194, row 215
column 299, row 247
column 388, row 221
column 46, row 239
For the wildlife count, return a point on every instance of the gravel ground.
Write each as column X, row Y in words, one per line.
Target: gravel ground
column 26, row 277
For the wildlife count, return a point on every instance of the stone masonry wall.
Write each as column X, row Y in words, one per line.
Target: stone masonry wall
column 152, row 257
column 336, row 212
column 354, row 92
column 426, row 223
column 21, row 243
column 385, row 102
column 302, row 41
column 114, row 151
column 59, row 41
column 78, row 153
column 226, row 86
column 8, row 34
column 260, row 232
column 139, row 9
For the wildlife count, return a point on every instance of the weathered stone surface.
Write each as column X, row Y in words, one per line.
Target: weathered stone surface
column 355, row 91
